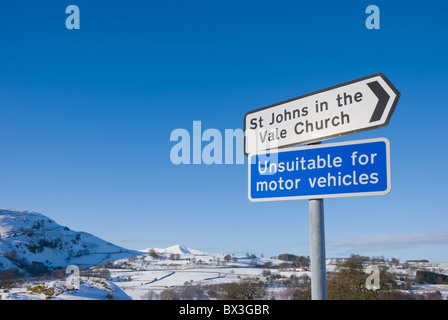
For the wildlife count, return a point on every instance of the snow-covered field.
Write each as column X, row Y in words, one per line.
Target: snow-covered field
column 89, row 289
column 146, row 277
column 189, row 267
column 32, row 245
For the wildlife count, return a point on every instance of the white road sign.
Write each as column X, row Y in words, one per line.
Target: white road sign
column 355, row 106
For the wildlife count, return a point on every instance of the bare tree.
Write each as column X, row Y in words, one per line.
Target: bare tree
column 246, row 289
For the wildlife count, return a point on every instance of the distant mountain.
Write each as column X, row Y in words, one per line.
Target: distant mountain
column 35, row 244
column 177, row 249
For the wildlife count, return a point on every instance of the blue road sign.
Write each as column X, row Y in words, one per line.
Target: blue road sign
column 345, row 169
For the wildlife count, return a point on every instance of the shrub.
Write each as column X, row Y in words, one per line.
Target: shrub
column 348, row 283
column 423, row 276
column 246, row 289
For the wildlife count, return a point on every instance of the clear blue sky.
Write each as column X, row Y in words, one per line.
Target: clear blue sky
column 87, row 115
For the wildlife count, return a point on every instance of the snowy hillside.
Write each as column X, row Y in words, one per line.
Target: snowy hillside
column 32, row 244
column 35, row 244
column 176, row 249
column 166, row 274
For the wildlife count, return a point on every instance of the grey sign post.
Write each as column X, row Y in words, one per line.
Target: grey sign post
column 317, row 249
column 355, row 106
column 317, row 242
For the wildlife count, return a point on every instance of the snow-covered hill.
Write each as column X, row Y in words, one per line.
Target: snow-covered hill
column 176, row 249
column 35, row 244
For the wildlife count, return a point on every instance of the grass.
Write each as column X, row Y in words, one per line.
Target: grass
column 42, row 289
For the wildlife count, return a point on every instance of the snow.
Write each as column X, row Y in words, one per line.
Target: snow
column 89, row 289
column 33, row 237
column 134, row 274
column 135, row 277
column 176, row 249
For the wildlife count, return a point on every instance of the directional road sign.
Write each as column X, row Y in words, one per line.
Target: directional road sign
column 345, row 169
column 359, row 105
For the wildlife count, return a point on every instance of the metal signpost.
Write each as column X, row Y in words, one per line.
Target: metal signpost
column 355, row 168
column 317, row 246
column 315, row 172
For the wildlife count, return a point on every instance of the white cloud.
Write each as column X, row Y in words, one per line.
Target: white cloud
column 391, row 241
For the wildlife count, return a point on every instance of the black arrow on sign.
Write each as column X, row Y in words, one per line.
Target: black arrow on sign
column 383, row 99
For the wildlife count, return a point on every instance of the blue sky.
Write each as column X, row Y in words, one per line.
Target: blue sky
column 87, row 116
